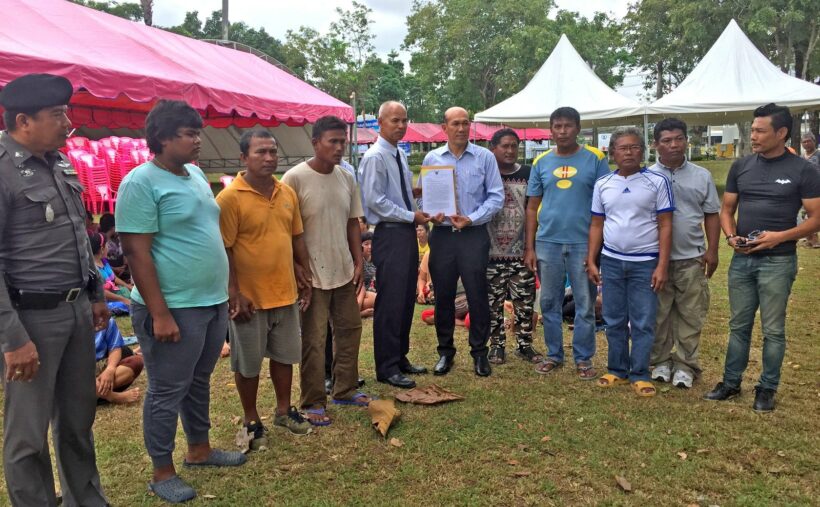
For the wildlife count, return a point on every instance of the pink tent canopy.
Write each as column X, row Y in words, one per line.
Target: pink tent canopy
column 424, row 133
column 432, row 133
column 119, row 69
column 365, row 136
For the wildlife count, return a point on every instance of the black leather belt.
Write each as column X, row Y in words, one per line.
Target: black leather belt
column 23, row 299
column 395, row 225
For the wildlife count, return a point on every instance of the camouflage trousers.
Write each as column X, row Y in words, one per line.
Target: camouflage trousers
column 510, row 280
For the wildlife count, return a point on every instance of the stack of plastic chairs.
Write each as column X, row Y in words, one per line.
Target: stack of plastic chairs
column 77, row 143
column 226, row 180
column 101, row 166
column 93, row 173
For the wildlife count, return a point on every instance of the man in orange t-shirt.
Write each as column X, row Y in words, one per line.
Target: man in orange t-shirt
column 262, row 230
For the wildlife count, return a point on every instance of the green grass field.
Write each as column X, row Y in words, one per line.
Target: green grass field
column 520, row 438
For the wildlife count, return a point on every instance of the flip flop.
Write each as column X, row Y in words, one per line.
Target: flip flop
column 610, row 380
column 320, row 412
column 355, row 400
column 640, row 385
column 219, row 458
column 173, row 490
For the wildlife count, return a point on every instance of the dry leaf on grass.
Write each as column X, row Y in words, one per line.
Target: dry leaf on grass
column 546, row 438
column 623, row 483
column 781, row 454
column 429, row 395
column 682, row 455
column 701, row 451
column 512, row 462
column 243, row 439
column 395, row 442
column 383, row 414
column 235, row 420
column 209, row 497
column 522, row 473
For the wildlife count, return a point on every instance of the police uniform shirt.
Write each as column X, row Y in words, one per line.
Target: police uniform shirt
column 44, row 243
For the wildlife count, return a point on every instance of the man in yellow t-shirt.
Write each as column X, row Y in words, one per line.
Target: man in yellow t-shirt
column 421, row 236
column 262, row 230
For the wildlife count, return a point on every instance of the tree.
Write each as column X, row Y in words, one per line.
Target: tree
column 341, row 61
column 667, row 39
column 127, row 10
column 475, row 53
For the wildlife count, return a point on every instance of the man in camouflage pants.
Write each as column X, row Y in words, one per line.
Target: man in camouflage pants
column 507, row 275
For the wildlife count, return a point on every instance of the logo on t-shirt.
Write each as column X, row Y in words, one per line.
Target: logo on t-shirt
column 563, row 174
column 783, row 182
column 626, row 191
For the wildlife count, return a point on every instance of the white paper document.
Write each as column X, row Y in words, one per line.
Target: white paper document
column 438, row 190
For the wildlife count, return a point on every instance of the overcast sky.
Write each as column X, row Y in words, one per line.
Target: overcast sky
column 280, row 16
column 389, row 17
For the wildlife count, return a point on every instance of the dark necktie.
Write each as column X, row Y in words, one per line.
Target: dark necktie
column 403, row 184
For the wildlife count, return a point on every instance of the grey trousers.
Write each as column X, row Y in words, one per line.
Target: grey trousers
column 64, row 393
column 179, row 376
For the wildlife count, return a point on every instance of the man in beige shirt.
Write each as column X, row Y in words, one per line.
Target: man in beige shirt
column 330, row 205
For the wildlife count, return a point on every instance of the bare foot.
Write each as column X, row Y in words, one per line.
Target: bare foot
column 125, row 397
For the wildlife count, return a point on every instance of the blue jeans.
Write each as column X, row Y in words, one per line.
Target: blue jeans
column 555, row 263
column 765, row 282
column 629, row 309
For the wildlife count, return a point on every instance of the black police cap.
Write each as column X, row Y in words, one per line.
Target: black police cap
column 33, row 92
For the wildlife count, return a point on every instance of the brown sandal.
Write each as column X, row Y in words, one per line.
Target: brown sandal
column 585, row 370
column 547, row 366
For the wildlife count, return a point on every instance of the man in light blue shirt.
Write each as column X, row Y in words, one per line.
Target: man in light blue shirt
column 460, row 244
column 559, row 197
column 388, row 203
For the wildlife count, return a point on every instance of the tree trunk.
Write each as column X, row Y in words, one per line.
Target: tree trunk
column 743, row 139
column 147, row 12
column 659, row 83
column 797, row 115
column 814, row 123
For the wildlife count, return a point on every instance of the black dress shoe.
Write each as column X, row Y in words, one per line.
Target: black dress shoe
column 482, row 366
column 412, row 369
column 360, row 382
column 399, row 380
column 722, row 392
column 443, row 366
column 764, row 399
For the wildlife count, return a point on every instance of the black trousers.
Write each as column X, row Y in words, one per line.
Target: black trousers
column 461, row 254
column 396, row 256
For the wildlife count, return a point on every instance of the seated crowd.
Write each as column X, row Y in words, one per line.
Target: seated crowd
column 287, row 269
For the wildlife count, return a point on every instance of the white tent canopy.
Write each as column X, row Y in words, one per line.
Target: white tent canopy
column 731, row 80
column 564, row 80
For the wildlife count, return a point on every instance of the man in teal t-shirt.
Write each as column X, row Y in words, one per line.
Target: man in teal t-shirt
column 560, row 185
column 168, row 221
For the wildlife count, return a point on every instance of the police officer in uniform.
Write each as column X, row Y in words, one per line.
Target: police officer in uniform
column 51, row 302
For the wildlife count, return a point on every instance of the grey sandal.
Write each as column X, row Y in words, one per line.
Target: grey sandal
column 173, row 490
column 220, row 458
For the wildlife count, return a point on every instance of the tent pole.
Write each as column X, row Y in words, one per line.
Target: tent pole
column 646, row 137
column 354, row 147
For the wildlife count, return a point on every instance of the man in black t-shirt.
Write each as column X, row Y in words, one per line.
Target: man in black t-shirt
column 507, row 275
column 766, row 189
